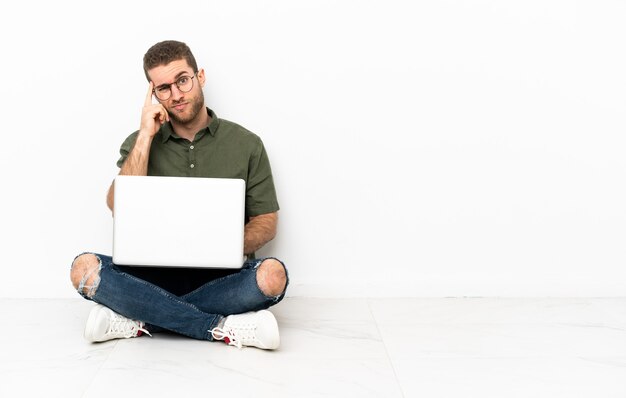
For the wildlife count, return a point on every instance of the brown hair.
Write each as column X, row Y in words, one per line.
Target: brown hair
column 165, row 52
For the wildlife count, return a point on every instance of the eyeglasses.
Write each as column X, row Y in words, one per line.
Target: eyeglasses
column 184, row 84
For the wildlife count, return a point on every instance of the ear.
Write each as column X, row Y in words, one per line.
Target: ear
column 201, row 77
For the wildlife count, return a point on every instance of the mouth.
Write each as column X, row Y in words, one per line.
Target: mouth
column 180, row 107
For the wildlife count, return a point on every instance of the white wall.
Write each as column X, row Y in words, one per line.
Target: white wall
column 429, row 148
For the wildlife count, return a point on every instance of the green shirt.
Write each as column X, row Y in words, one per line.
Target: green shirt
column 221, row 150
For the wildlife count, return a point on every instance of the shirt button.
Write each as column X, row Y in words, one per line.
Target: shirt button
column 192, row 165
column 191, row 147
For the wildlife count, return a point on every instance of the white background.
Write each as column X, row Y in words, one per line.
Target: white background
column 428, row 148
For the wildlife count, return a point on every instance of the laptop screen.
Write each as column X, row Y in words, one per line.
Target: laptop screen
column 178, row 221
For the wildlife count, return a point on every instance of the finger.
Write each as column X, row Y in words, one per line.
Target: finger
column 165, row 117
column 149, row 95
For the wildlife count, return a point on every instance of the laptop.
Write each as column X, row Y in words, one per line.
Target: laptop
column 185, row 222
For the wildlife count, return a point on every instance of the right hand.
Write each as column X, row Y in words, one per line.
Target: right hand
column 152, row 115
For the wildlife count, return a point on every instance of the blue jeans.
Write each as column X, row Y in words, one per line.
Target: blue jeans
column 193, row 314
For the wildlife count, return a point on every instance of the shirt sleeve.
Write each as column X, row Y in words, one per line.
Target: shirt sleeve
column 260, row 190
column 126, row 147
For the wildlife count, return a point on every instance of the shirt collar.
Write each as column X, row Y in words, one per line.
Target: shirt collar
column 168, row 132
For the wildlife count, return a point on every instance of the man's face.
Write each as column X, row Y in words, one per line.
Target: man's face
column 182, row 107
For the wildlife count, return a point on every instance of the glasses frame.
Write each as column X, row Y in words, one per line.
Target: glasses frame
column 169, row 87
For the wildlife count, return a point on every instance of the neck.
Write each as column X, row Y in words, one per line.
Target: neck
column 190, row 129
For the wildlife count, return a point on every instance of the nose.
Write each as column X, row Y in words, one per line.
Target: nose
column 176, row 93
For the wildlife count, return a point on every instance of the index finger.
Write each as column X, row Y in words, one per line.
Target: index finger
column 149, row 95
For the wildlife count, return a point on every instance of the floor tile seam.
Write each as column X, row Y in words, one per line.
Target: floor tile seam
column 609, row 325
column 554, row 355
column 509, row 357
column 388, row 354
column 578, row 300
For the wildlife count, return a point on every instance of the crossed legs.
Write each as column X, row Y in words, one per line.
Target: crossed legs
column 257, row 286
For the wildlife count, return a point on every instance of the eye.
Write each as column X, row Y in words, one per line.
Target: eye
column 183, row 80
column 163, row 89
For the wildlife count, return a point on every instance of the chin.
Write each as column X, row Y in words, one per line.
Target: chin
column 182, row 118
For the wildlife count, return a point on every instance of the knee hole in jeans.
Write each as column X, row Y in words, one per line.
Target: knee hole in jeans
column 271, row 277
column 85, row 274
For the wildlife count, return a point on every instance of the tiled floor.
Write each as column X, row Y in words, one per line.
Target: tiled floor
column 336, row 348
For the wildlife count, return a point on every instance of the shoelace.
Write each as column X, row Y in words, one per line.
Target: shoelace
column 120, row 326
column 244, row 334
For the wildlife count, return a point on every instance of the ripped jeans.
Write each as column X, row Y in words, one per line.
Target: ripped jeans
column 193, row 314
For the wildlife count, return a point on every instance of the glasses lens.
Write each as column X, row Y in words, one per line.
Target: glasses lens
column 163, row 93
column 185, row 84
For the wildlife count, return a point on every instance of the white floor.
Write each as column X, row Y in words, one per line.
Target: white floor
column 333, row 347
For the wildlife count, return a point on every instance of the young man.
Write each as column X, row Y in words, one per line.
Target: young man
column 180, row 136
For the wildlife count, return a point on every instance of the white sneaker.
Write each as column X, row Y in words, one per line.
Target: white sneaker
column 256, row 329
column 104, row 324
